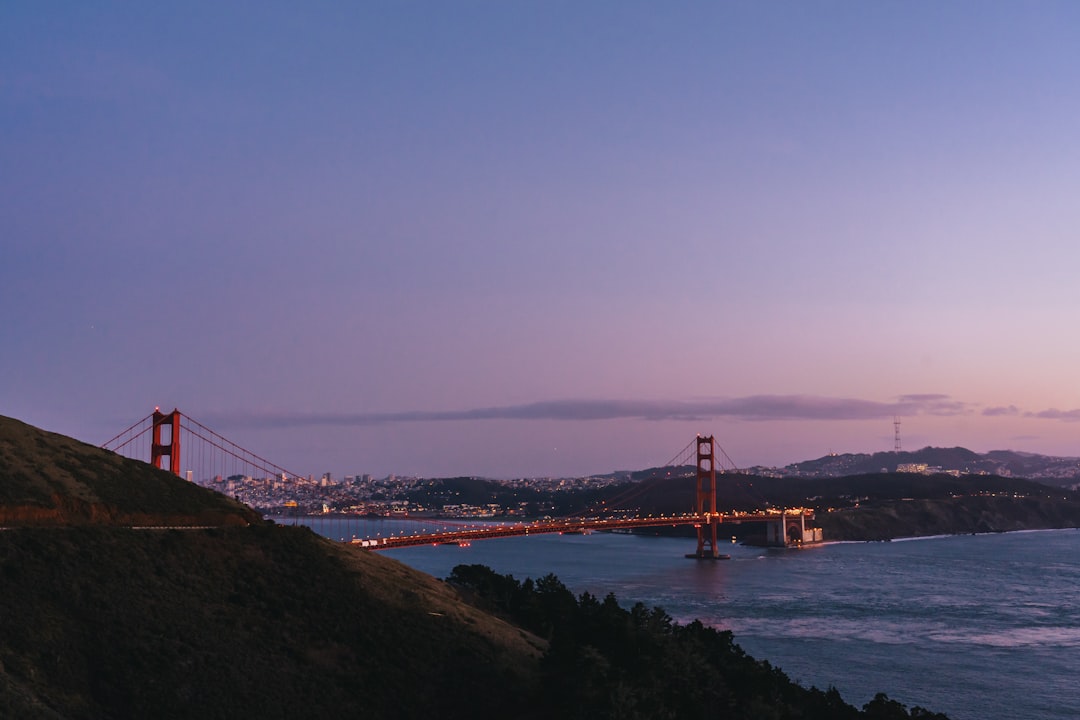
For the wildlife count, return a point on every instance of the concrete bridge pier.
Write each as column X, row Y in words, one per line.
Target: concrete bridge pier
column 790, row 531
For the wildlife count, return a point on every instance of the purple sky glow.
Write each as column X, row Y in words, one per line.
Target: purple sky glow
column 544, row 238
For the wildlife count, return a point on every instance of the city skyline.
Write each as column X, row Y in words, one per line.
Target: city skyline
column 544, row 239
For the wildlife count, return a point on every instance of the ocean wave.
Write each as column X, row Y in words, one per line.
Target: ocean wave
column 1042, row 636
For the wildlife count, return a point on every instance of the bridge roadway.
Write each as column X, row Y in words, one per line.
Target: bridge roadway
column 575, row 525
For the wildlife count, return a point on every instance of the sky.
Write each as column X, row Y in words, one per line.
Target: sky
column 543, row 238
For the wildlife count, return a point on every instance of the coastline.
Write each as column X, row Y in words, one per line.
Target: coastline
column 969, row 515
column 939, row 536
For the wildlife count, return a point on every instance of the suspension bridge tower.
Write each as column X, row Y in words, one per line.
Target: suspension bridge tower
column 707, row 549
column 171, row 449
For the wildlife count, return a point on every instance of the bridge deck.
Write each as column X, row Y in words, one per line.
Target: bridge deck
column 574, row 525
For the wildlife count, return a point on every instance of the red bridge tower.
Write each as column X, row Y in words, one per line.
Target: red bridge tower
column 171, row 449
column 706, row 498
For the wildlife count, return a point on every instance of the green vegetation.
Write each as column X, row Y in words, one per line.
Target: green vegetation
column 887, row 519
column 608, row 662
column 262, row 621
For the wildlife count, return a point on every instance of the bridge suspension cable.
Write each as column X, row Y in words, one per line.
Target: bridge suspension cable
column 233, row 450
column 686, row 457
column 202, row 456
column 112, row 443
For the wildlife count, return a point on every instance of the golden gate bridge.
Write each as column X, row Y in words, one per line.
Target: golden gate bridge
column 176, row 443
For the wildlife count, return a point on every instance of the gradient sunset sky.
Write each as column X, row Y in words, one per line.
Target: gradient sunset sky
column 544, row 238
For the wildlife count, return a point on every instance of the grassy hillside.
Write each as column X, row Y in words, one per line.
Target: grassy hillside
column 262, row 621
column 99, row 620
column 50, row 479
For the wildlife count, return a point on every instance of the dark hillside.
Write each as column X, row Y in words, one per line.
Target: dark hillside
column 889, row 519
column 883, row 486
column 749, row 492
column 247, row 619
column 469, row 490
column 669, row 495
column 262, row 621
column 605, row 661
column 891, row 505
column 50, row 479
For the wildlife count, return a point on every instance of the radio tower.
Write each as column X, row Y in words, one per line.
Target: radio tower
column 896, row 433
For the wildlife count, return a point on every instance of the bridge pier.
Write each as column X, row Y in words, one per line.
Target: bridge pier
column 790, row 531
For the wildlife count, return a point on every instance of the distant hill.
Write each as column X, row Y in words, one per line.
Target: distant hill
column 1058, row 470
column 739, row 491
column 471, row 491
column 1049, row 469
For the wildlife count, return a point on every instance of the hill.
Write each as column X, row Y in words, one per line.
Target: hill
column 246, row 618
column 469, row 490
column 51, row 479
column 888, row 519
column 261, row 621
column 1006, row 463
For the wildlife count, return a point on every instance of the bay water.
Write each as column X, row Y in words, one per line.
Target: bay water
column 982, row 627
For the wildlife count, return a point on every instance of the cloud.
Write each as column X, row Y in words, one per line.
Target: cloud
column 931, row 404
column 751, row 408
column 924, row 397
column 1051, row 414
column 1055, row 414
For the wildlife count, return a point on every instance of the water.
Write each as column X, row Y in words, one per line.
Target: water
column 980, row 627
